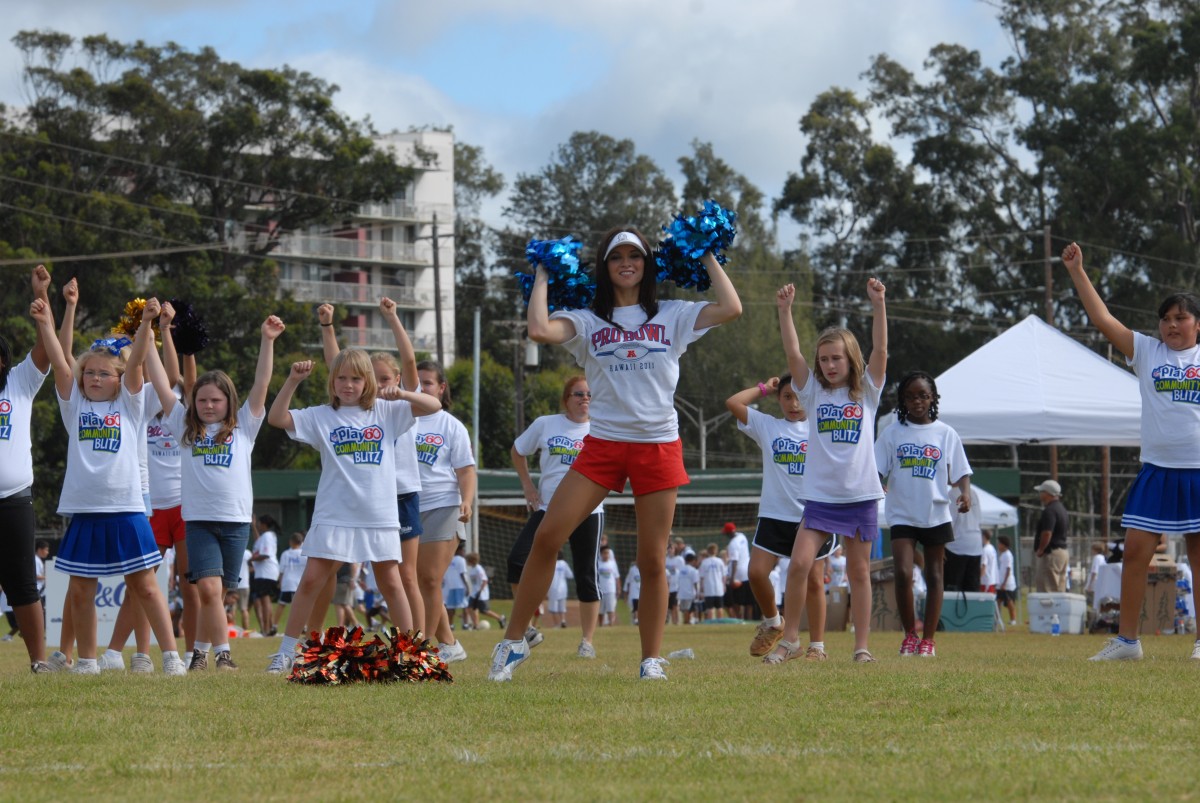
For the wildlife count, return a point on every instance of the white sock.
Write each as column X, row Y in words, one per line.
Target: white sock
column 220, row 648
column 773, row 621
column 140, row 655
column 203, row 646
column 287, row 645
column 170, row 654
column 86, row 661
column 817, row 645
column 110, row 653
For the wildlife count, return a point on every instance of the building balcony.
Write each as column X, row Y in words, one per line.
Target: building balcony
column 373, row 338
column 408, row 212
column 341, row 249
column 359, row 294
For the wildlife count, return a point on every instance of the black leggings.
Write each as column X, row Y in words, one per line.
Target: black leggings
column 18, row 574
column 585, row 553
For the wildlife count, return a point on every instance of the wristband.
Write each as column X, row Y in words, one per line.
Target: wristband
column 327, row 324
column 762, row 388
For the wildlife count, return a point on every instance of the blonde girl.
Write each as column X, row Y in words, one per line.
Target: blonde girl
column 103, row 408
column 841, row 479
column 355, row 517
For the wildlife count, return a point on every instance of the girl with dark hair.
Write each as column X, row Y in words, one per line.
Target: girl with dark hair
column 447, row 499
column 216, row 438
column 1165, row 497
column 921, row 458
column 629, row 345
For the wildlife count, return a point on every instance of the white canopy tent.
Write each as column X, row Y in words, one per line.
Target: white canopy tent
column 1033, row 384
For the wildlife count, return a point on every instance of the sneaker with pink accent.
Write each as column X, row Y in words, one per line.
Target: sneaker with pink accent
column 926, row 649
column 910, row 643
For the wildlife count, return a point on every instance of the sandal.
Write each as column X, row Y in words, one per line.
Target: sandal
column 791, row 649
column 863, row 656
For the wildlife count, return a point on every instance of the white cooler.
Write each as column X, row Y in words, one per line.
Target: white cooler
column 1071, row 610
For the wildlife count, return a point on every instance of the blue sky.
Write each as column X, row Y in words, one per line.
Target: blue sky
column 517, row 77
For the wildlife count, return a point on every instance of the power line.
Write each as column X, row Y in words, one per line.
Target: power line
column 116, row 196
column 92, row 225
column 111, row 255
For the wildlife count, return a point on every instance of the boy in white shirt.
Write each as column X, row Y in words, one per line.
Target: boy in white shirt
column 633, row 591
column 988, row 565
column 608, row 577
column 1006, row 583
column 712, row 584
column 689, row 583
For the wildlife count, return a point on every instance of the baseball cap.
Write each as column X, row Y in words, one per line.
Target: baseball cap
column 1049, row 486
column 625, row 237
column 730, row 528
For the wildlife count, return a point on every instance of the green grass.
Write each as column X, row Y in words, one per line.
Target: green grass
column 994, row 716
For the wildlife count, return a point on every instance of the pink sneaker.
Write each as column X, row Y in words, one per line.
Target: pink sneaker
column 909, row 645
column 926, row 648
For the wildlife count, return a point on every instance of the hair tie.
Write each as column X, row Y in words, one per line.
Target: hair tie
column 112, row 345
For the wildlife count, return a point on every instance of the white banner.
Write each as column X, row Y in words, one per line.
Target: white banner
column 109, row 593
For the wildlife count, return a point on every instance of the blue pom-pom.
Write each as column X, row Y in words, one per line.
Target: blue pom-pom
column 569, row 286
column 688, row 239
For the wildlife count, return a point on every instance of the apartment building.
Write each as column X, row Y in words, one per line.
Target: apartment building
column 387, row 249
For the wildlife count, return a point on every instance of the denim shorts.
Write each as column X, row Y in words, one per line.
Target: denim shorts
column 216, row 549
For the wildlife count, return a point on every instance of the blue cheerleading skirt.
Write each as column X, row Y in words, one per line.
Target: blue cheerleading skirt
column 107, row 544
column 1164, row 500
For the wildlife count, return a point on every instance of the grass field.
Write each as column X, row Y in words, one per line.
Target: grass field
column 994, row 716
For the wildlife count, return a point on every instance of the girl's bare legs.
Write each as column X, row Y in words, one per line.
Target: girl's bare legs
column 81, row 597
column 858, row 570
column 655, row 515
column 815, row 601
column 190, row 594
column 32, row 624
column 387, row 577
column 433, row 559
column 808, row 543
column 935, row 562
column 211, row 625
column 902, row 559
column 589, row 615
column 318, row 573
column 761, row 565
column 409, row 551
column 143, row 584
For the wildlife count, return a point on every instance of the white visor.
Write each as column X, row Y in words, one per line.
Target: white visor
column 625, row 237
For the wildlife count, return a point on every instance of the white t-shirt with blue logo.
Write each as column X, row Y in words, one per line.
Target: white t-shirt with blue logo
column 442, row 447
column 1169, row 381
column 103, row 474
column 559, row 439
column 358, row 463
column 163, row 458
column 16, row 444
column 841, row 443
column 216, row 476
column 633, row 369
column 784, row 446
column 920, row 461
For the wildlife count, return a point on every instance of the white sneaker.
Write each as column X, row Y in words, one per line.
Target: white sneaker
column 111, row 662
column 280, row 664
column 452, row 653
column 1117, row 650
column 533, row 636
column 173, row 666
column 141, row 664
column 586, row 650
column 507, row 656
column 652, row 669
column 82, row 667
column 58, row 661
column 1196, row 651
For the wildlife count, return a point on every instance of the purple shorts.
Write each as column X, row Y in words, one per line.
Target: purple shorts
column 858, row 520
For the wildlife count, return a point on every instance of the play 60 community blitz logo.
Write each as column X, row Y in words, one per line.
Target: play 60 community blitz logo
column 843, row 422
column 360, row 445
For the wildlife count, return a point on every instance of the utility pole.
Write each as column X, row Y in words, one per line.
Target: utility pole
column 1049, row 264
column 437, row 287
column 695, row 414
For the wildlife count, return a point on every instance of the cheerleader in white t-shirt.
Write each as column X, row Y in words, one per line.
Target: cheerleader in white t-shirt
column 19, row 384
column 784, row 446
column 102, row 403
column 558, row 440
column 629, row 345
column 390, row 372
column 921, row 458
column 1165, row 497
column 355, row 517
column 217, row 439
column 447, row 501
column 841, row 480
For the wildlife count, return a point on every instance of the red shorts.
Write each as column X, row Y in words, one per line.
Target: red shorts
column 167, row 524
column 649, row 467
column 988, row 589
